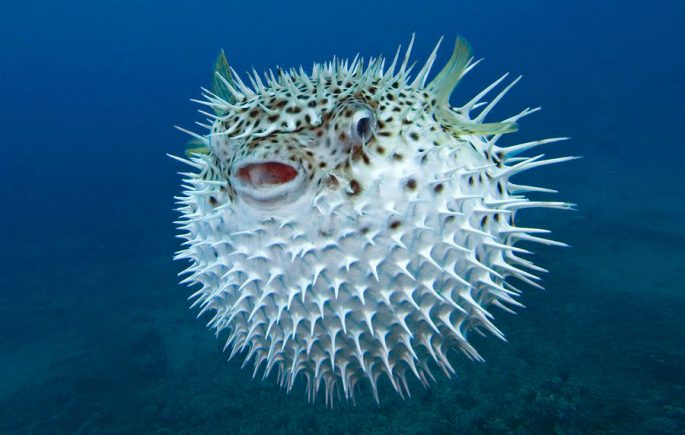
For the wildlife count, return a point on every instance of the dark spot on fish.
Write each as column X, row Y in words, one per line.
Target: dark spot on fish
column 356, row 153
column 411, row 184
column 332, row 182
column 355, row 188
column 395, row 224
column 438, row 188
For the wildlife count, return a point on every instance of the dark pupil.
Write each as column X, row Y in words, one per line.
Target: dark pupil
column 364, row 127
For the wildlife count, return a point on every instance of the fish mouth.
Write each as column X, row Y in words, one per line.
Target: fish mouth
column 269, row 182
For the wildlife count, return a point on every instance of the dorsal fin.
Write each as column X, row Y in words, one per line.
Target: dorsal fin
column 444, row 83
column 218, row 87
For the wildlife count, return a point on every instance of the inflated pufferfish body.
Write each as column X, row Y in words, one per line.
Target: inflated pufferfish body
column 350, row 225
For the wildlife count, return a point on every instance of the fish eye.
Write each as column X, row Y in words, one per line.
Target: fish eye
column 363, row 124
column 364, row 127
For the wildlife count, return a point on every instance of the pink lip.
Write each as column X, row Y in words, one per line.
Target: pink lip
column 267, row 174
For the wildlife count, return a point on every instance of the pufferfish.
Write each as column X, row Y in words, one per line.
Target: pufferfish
column 349, row 227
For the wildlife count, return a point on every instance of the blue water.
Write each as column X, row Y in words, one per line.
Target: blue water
column 95, row 334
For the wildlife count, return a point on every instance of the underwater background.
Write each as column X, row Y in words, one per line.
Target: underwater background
column 95, row 332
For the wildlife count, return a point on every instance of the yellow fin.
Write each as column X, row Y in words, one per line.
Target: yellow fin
column 196, row 146
column 444, row 83
column 460, row 128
